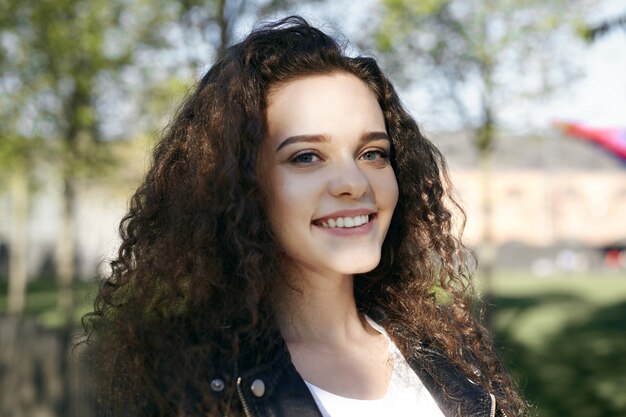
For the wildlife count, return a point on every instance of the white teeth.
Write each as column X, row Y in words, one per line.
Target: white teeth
column 346, row 222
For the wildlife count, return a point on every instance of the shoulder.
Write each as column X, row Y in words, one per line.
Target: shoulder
column 453, row 391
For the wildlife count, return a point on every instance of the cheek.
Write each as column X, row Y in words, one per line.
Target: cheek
column 393, row 191
column 290, row 202
column 289, row 217
column 386, row 189
column 280, row 197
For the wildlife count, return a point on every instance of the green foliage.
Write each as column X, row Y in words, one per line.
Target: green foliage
column 16, row 152
column 41, row 301
column 401, row 16
column 53, row 51
column 482, row 45
column 272, row 7
column 563, row 340
column 591, row 33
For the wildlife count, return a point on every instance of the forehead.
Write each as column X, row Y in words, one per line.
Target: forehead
column 332, row 104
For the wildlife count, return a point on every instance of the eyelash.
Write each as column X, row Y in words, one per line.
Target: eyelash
column 296, row 158
column 382, row 153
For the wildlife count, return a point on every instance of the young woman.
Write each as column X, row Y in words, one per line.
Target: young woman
column 291, row 253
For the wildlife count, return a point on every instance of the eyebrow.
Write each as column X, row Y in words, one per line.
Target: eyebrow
column 368, row 137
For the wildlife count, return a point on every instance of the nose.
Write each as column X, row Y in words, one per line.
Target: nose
column 349, row 181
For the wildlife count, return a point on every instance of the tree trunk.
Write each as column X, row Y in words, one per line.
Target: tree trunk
column 487, row 254
column 488, row 247
column 66, row 251
column 485, row 145
column 18, row 245
column 222, row 21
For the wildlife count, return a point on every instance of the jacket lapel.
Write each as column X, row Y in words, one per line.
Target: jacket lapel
column 454, row 393
column 285, row 392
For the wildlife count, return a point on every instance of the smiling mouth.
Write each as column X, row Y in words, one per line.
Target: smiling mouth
column 346, row 222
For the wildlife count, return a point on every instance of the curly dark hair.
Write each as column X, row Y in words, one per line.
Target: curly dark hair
column 198, row 263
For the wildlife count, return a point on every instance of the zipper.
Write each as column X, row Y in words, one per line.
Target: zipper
column 492, row 413
column 244, row 403
column 494, row 407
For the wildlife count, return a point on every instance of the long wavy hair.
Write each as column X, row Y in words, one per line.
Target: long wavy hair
column 198, row 264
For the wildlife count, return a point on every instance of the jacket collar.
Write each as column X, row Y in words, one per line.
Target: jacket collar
column 286, row 394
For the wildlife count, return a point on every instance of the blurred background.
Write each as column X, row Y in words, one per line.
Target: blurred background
column 527, row 100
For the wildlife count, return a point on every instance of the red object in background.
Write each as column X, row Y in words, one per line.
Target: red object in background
column 615, row 259
column 613, row 139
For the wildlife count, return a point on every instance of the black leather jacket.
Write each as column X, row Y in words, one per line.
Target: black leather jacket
column 275, row 389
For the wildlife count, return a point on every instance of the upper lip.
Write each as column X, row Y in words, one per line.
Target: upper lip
column 346, row 213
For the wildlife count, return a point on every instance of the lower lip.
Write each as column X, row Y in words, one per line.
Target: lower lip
column 349, row 231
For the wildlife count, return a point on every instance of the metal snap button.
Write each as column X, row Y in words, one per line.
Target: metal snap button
column 217, row 385
column 258, row 388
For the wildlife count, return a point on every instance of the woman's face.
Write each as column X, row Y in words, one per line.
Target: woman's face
column 331, row 189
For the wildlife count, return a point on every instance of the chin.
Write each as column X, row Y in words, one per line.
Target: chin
column 362, row 266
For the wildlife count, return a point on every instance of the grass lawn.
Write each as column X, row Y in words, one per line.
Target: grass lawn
column 564, row 340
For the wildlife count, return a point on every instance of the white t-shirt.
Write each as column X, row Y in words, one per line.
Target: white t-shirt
column 406, row 395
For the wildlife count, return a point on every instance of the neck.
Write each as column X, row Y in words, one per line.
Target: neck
column 320, row 309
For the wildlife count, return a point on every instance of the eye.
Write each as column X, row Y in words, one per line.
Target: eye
column 375, row 155
column 305, row 158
